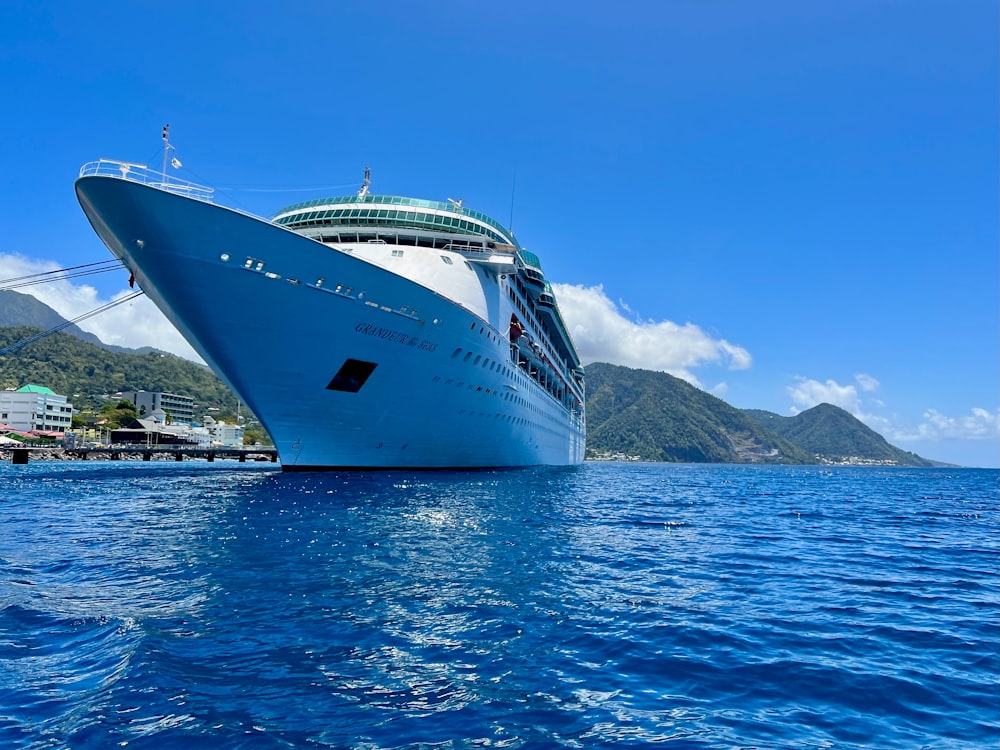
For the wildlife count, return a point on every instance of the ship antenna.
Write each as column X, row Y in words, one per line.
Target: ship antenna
column 364, row 185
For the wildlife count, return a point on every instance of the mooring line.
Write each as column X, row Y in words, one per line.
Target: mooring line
column 44, row 277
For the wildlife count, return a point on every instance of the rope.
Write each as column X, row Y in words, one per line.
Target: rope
column 87, row 269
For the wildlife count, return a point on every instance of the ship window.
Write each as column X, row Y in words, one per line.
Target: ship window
column 446, row 259
column 351, row 376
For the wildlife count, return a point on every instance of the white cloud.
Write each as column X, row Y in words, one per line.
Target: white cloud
column 719, row 390
column 867, row 382
column 133, row 324
column 603, row 334
column 809, row 393
column 978, row 424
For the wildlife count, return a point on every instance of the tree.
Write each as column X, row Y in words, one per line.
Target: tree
column 117, row 415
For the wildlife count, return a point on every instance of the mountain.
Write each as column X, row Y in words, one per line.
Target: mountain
column 836, row 436
column 657, row 417
column 18, row 309
column 654, row 416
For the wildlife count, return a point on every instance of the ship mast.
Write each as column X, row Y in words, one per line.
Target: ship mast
column 175, row 162
column 166, row 150
column 364, row 185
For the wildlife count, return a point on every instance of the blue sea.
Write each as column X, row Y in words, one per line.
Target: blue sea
column 195, row 605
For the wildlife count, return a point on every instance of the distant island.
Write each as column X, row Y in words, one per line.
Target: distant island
column 632, row 415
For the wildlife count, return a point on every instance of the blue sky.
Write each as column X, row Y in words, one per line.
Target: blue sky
column 782, row 202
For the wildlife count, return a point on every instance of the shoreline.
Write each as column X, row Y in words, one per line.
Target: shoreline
column 9, row 454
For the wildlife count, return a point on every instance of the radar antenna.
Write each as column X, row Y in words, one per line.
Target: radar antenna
column 364, row 185
column 456, row 203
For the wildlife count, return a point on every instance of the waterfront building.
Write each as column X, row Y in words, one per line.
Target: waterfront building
column 152, row 431
column 35, row 407
column 224, row 433
column 180, row 408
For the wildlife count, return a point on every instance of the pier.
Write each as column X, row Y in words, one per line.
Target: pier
column 145, row 453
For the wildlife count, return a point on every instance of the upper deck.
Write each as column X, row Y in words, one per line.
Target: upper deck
column 391, row 213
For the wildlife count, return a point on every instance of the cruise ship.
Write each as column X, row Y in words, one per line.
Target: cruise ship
column 364, row 331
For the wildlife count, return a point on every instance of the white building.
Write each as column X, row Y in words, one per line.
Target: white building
column 180, row 408
column 223, row 433
column 35, row 407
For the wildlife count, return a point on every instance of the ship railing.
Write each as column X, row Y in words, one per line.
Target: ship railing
column 141, row 173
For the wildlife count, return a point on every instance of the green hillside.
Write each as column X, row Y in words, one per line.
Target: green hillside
column 657, row 417
column 834, row 435
column 83, row 371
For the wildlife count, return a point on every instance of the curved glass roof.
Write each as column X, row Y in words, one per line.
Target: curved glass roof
column 391, row 211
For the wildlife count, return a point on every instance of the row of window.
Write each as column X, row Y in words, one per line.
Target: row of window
column 386, row 218
column 554, row 386
column 506, row 395
column 395, row 200
column 530, row 315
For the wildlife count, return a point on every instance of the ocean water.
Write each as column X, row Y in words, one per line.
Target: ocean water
column 196, row 605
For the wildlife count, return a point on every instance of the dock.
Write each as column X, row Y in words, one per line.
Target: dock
column 145, row 453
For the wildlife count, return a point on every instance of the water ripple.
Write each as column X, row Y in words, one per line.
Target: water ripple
column 701, row 606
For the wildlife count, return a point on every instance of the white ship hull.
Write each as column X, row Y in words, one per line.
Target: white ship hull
column 281, row 318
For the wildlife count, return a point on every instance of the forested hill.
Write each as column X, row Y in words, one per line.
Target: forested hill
column 656, row 417
column 832, row 433
column 83, row 372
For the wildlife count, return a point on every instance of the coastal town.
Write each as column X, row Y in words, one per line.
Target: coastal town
column 35, row 416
